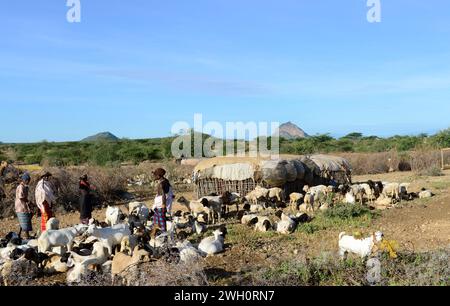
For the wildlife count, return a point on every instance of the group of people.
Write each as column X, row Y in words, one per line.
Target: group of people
column 45, row 200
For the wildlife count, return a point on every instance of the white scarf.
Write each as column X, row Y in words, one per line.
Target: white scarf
column 44, row 193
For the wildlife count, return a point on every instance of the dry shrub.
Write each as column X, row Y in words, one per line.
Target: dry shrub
column 409, row 269
column 157, row 273
column 426, row 162
column 370, row 163
column 110, row 184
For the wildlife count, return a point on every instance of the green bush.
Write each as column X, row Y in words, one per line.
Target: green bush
column 347, row 211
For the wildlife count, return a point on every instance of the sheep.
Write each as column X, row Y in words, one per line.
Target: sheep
column 215, row 244
column 392, row 190
column 295, row 198
column 257, row 194
column 425, row 194
column 80, row 264
column 382, row 202
column 309, row 200
column 199, row 227
column 315, row 189
column 196, row 207
column 359, row 192
column 128, row 244
column 350, row 197
column 54, row 264
column 361, row 247
column 277, row 193
column 52, row 224
column 228, row 199
column 215, row 207
column 369, row 192
column 306, row 208
column 110, row 236
column 188, row 254
column 249, row 220
column 140, row 210
column 263, row 225
column 113, row 216
column 404, row 188
column 122, row 263
column 287, row 225
column 60, row 238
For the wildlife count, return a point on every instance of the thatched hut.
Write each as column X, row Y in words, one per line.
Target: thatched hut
column 243, row 174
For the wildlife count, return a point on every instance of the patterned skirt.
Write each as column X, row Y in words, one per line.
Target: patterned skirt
column 25, row 221
column 159, row 219
column 46, row 214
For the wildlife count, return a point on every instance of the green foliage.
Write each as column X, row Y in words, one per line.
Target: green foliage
column 347, row 211
column 137, row 151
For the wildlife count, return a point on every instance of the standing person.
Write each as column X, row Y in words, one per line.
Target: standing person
column 45, row 198
column 163, row 199
column 85, row 199
column 22, row 207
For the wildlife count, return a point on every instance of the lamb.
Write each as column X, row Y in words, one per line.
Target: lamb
column 363, row 248
column 277, row 193
column 309, row 201
column 196, row 207
column 122, row 262
column 249, row 220
column 287, row 225
column 359, row 192
column 60, row 238
column 113, row 216
column 425, row 194
column 52, row 224
column 369, row 192
column 263, row 225
column 110, row 236
column 215, row 244
column 315, row 189
column 257, row 194
column 81, row 264
column 295, row 198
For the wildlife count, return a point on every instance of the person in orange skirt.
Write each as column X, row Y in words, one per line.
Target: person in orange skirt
column 44, row 199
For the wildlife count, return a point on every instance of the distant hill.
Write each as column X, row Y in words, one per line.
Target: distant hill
column 289, row 130
column 106, row 136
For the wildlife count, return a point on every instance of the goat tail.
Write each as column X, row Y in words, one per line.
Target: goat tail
column 341, row 235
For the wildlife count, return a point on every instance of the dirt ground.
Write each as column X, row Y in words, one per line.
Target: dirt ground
column 420, row 225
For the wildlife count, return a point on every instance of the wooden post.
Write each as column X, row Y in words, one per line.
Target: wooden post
column 442, row 156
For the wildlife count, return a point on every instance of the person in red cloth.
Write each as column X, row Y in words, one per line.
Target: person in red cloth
column 85, row 199
column 45, row 198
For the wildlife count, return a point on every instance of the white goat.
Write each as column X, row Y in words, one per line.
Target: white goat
column 112, row 216
column 110, row 236
column 213, row 245
column 361, row 247
column 60, row 238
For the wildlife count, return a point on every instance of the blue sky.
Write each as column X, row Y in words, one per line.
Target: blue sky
column 135, row 67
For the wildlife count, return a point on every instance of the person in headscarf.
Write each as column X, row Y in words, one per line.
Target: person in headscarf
column 85, row 199
column 163, row 200
column 45, row 198
column 22, row 207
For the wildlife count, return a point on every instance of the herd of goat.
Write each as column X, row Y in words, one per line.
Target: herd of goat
column 117, row 245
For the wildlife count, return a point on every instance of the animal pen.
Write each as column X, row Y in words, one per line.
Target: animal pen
column 291, row 173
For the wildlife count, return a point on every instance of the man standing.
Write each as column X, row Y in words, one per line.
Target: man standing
column 163, row 199
column 45, row 198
